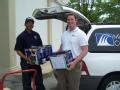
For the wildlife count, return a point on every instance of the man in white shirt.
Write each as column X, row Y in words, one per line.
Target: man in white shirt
column 75, row 40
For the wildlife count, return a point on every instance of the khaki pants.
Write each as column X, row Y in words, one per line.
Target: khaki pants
column 68, row 80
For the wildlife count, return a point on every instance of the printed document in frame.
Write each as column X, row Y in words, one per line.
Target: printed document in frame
column 58, row 62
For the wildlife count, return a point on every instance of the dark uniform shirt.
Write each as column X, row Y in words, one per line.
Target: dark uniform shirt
column 27, row 40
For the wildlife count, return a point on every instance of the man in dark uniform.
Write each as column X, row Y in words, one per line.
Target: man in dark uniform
column 27, row 39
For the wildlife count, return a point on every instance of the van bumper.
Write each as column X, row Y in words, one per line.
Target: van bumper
column 89, row 83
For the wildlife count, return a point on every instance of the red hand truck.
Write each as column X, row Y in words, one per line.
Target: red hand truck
column 19, row 71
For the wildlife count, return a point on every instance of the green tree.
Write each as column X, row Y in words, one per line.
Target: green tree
column 98, row 11
column 111, row 10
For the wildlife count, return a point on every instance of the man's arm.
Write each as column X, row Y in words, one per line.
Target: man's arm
column 80, row 57
column 40, row 40
column 23, row 56
column 82, row 54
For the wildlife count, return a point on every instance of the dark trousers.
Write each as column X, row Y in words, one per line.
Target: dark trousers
column 27, row 77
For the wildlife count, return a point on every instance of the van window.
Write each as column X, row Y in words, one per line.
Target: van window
column 105, row 40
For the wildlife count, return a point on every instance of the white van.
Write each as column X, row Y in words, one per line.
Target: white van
column 102, row 62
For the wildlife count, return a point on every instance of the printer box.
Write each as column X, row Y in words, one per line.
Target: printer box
column 39, row 54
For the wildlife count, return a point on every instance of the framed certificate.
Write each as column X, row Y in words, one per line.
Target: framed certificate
column 61, row 60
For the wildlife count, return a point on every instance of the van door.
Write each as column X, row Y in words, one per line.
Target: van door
column 60, row 13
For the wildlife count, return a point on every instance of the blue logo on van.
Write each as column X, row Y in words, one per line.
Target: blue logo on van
column 104, row 39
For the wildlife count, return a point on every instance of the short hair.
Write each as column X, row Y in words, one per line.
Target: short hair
column 72, row 14
column 28, row 19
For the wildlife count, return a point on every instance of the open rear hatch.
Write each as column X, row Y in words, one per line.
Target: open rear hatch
column 60, row 13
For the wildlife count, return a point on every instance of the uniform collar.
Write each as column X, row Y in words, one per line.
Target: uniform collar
column 28, row 32
column 76, row 29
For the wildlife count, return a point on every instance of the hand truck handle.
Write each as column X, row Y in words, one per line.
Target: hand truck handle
column 20, row 71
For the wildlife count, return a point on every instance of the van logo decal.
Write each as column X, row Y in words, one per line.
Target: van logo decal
column 104, row 39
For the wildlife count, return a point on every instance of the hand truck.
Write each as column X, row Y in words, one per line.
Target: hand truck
column 19, row 71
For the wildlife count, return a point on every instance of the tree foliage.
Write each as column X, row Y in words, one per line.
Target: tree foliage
column 97, row 11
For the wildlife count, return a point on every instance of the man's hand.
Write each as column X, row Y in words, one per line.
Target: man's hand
column 72, row 65
column 29, row 60
column 48, row 58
